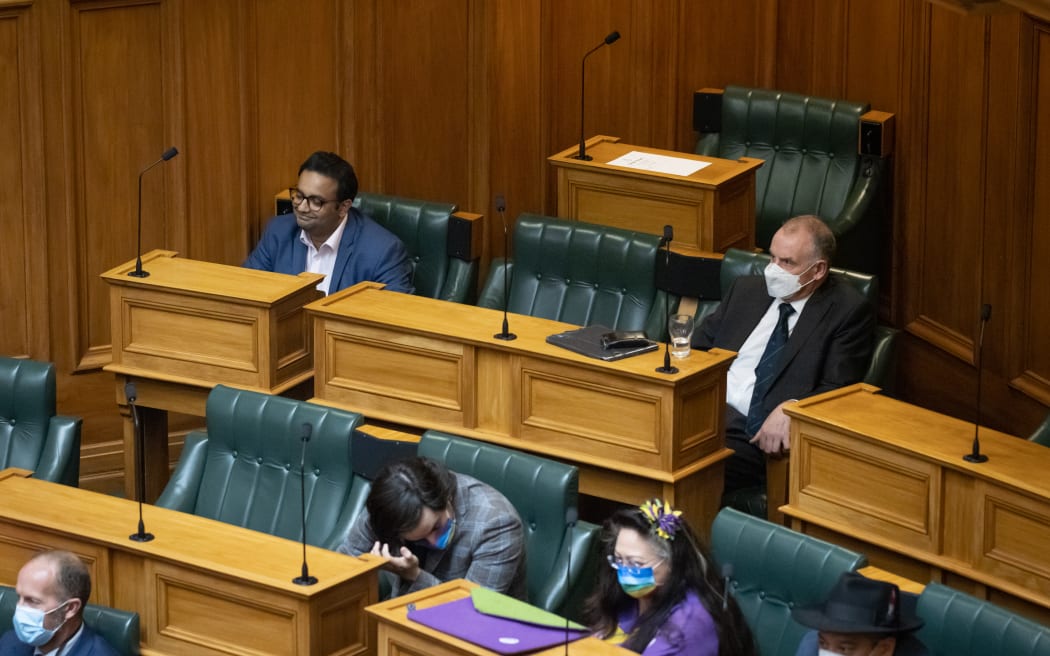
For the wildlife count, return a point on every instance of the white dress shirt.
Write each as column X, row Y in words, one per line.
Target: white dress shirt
column 322, row 260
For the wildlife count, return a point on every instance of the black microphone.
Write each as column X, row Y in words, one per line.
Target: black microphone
column 571, row 515
column 727, row 575
column 131, row 395
column 610, row 39
column 501, row 207
column 138, row 272
column 304, row 578
column 665, row 241
column 975, row 454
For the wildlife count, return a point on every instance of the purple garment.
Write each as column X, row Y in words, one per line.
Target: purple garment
column 688, row 631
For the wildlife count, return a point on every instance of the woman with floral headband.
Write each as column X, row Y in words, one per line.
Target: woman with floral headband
column 662, row 593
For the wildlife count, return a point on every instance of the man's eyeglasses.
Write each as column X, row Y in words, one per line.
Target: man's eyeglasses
column 617, row 563
column 315, row 203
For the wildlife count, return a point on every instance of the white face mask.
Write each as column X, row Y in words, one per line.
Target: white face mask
column 827, row 652
column 782, row 284
column 29, row 624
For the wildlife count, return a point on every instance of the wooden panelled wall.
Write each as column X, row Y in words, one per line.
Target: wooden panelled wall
column 457, row 100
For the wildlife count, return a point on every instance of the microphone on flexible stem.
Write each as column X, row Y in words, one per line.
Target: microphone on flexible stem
column 975, row 455
column 727, row 575
column 665, row 241
column 501, row 207
column 610, row 39
column 304, row 578
column 138, row 272
column 571, row 515
column 140, row 461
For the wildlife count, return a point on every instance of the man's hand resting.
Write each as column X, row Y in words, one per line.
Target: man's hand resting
column 774, row 438
column 406, row 565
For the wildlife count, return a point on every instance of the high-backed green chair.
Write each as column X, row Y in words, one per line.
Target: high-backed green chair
column 120, row 628
column 773, row 569
column 822, row 156
column 1041, row 435
column 245, row 469
column 32, row 436
column 957, row 624
column 442, row 243
column 580, row 273
column 544, row 493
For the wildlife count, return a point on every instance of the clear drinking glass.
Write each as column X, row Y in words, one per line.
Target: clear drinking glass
column 680, row 328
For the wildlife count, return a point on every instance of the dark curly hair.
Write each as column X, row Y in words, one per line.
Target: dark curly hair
column 401, row 490
column 692, row 568
column 335, row 167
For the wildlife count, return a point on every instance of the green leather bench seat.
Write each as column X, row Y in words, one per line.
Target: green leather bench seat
column 120, row 628
column 812, row 165
column 773, row 570
column 423, row 227
column 580, row 273
column 31, row 435
column 544, row 493
column 957, row 624
column 245, row 469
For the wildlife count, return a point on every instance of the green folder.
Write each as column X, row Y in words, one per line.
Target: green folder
column 494, row 603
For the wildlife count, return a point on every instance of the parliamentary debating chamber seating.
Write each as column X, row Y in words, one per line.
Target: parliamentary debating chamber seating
column 822, row 156
column 120, row 628
column 32, row 435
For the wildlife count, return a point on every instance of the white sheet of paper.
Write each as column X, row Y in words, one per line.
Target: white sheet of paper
column 658, row 163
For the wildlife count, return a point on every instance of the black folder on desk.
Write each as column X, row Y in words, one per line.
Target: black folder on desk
column 588, row 341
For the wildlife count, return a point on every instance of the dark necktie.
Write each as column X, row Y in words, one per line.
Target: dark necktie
column 766, row 368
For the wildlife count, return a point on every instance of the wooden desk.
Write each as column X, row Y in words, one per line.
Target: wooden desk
column 201, row 587
column 400, row 636
column 192, row 325
column 633, row 433
column 887, row 478
column 710, row 210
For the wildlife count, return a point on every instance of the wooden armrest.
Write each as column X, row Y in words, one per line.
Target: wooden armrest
column 465, row 235
column 875, row 136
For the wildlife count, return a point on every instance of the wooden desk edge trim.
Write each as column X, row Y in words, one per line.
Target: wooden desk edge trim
column 152, row 374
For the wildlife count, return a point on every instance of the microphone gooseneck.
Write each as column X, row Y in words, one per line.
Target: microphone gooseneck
column 666, row 242
column 727, row 575
column 610, row 39
column 975, row 454
column 138, row 272
column 571, row 515
column 131, row 394
column 501, row 208
column 304, row 577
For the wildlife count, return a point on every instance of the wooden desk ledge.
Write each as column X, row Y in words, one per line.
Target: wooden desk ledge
column 905, row 584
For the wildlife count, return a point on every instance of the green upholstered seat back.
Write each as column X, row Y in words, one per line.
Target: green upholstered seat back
column 774, row 569
column 543, row 492
column 1041, row 435
column 809, row 145
column 580, row 273
column 423, row 228
column 957, row 624
column 31, row 436
column 250, row 470
column 120, row 628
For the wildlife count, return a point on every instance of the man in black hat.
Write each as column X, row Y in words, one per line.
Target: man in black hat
column 861, row 617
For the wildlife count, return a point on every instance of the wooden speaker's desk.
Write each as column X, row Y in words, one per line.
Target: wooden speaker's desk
column 400, row 636
column 711, row 210
column 888, row 479
column 200, row 587
column 634, row 433
column 192, row 325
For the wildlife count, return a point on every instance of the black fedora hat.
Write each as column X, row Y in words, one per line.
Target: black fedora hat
column 859, row 605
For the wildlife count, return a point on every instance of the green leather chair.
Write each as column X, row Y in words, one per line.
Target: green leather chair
column 544, row 492
column 1041, row 435
column 245, row 469
column 439, row 241
column 813, row 164
column 580, row 273
column 773, row 570
column 957, row 624
column 32, row 436
column 120, row 628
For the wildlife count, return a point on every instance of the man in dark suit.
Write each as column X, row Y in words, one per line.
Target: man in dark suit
column 325, row 234
column 797, row 331
column 52, row 590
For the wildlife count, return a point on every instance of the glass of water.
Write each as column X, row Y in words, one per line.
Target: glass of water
column 680, row 329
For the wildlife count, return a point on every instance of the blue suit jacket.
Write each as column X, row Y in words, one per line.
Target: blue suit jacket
column 89, row 644
column 367, row 251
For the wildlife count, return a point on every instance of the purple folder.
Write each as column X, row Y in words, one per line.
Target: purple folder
column 499, row 634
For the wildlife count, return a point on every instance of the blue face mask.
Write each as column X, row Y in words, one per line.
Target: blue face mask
column 636, row 581
column 29, row 624
column 446, row 536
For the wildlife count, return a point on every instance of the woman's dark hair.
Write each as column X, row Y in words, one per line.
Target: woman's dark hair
column 692, row 568
column 401, row 490
column 335, row 167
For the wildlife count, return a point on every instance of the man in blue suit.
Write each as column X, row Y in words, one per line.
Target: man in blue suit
column 325, row 234
column 52, row 590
